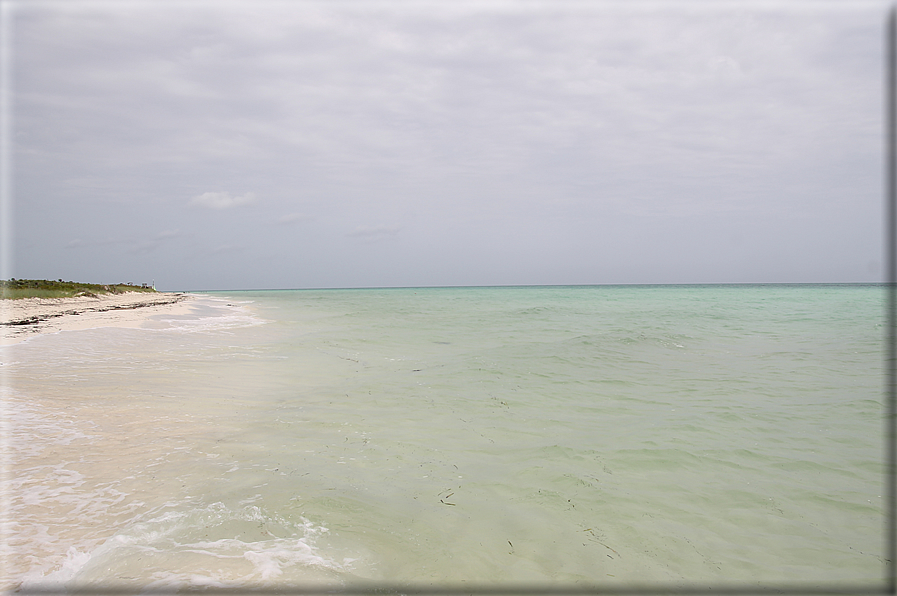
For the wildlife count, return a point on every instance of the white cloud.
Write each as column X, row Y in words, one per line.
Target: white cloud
column 456, row 117
column 290, row 218
column 226, row 248
column 222, row 200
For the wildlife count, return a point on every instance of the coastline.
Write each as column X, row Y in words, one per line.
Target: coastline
column 203, row 451
column 27, row 317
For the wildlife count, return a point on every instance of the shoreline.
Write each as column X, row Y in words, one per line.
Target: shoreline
column 24, row 318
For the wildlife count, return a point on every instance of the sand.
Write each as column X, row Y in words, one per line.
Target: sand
column 26, row 317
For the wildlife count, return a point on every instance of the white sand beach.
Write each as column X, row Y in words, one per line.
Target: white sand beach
column 23, row 318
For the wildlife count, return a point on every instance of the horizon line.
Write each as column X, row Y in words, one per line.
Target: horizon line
column 583, row 285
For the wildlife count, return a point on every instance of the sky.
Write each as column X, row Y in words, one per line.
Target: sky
column 265, row 144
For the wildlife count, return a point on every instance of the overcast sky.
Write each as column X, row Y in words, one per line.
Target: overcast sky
column 353, row 144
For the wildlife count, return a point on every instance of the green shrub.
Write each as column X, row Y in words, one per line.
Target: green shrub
column 42, row 288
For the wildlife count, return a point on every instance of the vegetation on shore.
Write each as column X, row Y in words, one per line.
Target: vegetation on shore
column 42, row 288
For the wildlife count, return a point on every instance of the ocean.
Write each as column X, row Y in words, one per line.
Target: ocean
column 690, row 436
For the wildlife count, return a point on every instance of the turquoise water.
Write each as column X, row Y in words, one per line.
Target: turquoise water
column 675, row 435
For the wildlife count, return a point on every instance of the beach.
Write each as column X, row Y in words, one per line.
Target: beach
column 26, row 317
column 677, row 436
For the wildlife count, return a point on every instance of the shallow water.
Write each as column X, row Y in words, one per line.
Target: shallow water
column 686, row 435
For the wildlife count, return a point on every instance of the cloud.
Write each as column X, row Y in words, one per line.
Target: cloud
column 132, row 245
column 373, row 233
column 454, row 116
column 79, row 243
column 154, row 243
column 228, row 248
column 222, row 200
column 290, row 218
